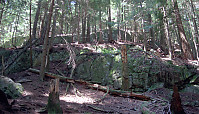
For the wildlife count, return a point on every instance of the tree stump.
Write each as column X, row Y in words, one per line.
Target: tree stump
column 176, row 105
column 125, row 75
column 53, row 106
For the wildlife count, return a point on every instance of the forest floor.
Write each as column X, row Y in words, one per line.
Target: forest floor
column 35, row 97
column 36, row 92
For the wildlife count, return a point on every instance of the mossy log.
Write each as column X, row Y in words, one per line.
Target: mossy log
column 96, row 86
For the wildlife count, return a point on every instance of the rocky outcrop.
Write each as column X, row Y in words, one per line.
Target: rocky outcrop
column 10, row 88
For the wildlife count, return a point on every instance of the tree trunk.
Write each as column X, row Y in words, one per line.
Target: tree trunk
column 78, row 27
column 195, row 35
column 84, row 26
column 36, row 19
column 1, row 15
column 43, row 24
column 185, row 45
column 45, row 46
column 100, row 27
column 125, row 75
column 31, row 62
column 110, row 37
column 151, row 32
column 53, row 106
column 52, row 37
column 143, row 30
column 119, row 21
column 176, row 105
column 166, row 28
column 88, row 28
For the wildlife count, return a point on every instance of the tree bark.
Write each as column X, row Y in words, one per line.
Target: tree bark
column 84, row 26
column 53, row 105
column 125, row 75
column 166, row 28
column 36, row 19
column 88, row 28
column 110, row 37
column 100, row 27
column 176, row 105
column 119, row 21
column 195, row 35
column 185, row 45
column 45, row 46
column 1, row 15
column 31, row 62
column 78, row 27
column 151, row 30
column 43, row 23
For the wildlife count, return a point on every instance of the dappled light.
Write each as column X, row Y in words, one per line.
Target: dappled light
column 99, row 56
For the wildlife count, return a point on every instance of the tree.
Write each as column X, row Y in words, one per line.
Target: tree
column 185, row 45
column 166, row 28
column 110, row 38
column 45, row 45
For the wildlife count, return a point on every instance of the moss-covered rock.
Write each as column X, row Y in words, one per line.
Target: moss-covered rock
column 10, row 88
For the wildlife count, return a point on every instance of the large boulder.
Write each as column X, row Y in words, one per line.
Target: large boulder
column 10, row 88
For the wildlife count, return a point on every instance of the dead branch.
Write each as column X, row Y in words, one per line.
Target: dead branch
column 99, row 100
column 95, row 86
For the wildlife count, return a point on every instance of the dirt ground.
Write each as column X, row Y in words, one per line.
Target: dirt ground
column 36, row 92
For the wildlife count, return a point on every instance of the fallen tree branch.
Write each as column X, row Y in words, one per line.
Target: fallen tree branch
column 51, row 75
column 99, row 100
column 95, row 86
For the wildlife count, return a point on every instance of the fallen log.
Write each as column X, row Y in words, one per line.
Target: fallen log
column 95, row 86
column 51, row 75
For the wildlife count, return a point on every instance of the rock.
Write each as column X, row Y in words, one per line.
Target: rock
column 10, row 88
column 191, row 89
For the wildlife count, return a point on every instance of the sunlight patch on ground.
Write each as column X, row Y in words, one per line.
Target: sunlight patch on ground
column 45, row 94
column 25, row 93
column 77, row 99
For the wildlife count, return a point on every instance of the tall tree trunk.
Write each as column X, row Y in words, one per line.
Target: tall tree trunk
column 151, row 32
column 100, row 27
column 33, row 36
column 62, row 4
column 195, row 35
column 119, row 21
column 88, row 28
column 1, row 14
column 110, row 37
column 135, row 31
column 78, row 27
column 34, row 29
column 84, row 26
column 31, row 62
column 185, row 45
column 166, row 28
column 43, row 24
column 45, row 46
column 95, row 30
column 52, row 37
column 143, row 30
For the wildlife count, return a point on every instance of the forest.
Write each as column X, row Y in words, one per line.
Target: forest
column 99, row 56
